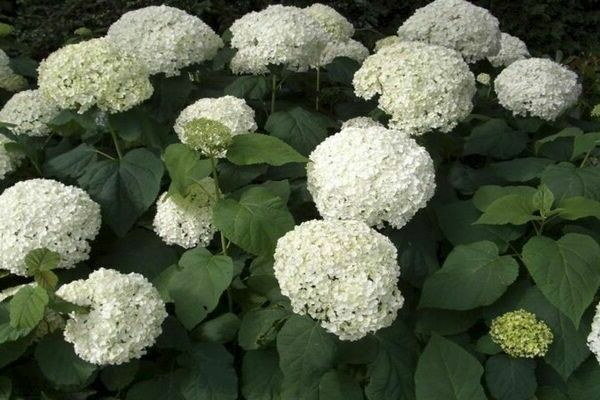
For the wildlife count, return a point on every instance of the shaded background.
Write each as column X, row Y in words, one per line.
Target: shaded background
column 547, row 26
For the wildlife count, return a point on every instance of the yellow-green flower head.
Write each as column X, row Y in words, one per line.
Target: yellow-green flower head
column 210, row 137
column 520, row 334
column 595, row 113
column 94, row 73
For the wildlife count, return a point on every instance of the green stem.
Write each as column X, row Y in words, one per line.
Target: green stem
column 585, row 159
column 213, row 164
column 113, row 134
column 104, row 154
column 318, row 88
column 273, row 91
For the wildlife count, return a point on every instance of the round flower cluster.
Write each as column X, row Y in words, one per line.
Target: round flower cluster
column 334, row 23
column 387, row 41
column 277, row 35
column 520, row 334
column 350, row 48
column 422, row 87
column 361, row 122
column 42, row 213
column 164, row 38
column 538, row 87
column 125, row 317
column 210, row 137
column 94, row 73
column 511, row 49
column 372, row 175
column 484, row 79
column 230, row 111
column 341, row 273
column 187, row 222
column 595, row 113
column 457, row 24
column 29, row 112
column 593, row 339
column 9, row 161
column 10, row 81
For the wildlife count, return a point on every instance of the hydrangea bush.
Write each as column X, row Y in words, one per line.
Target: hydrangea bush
column 280, row 212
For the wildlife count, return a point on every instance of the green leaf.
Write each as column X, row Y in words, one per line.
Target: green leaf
column 261, row 376
column 70, row 123
column 342, row 70
column 11, row 351
column 221, row 329
column 118, row 377
column 306, row 352
column 445, row 322
column 337, row 385
column 254, row 87
column 47, row 280
column 391, row 373
column 456, row 222
column 41, row 260
column 486, row 345
column 495, row 138
column 512, row 209
column 569, row 348
column 510, row 378
column 27, row 307
column 124, row 188
column 521, row 169
column 583, row 144
column 486, row 195
column 585, row 383
column 447, row 371
column 197, row 287
column 5, row 388
column 185, row 168
column 472, row 276
column 566, row 271
column 259, row 327
column 565, row 180
column 565, row 133
column 542, row 200
column 72, row 164
column 301, row 129
column 162, row 387
column 578, row 207
column 210, row 374
column 255, row 222
column 59, row 363
column 256, row 148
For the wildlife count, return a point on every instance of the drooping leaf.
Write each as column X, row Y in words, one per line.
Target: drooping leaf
column 488, row 194
column 41, row 260
column 306, row 352
column 391, row 373
column 124, row 188
column 209, row 373
column 577, row 207
column 197, row 287
column 565, row 180
column 72, row 164
column 512, row 209
column 569, row 132
column 472, row 276
column 510, row 378
column 253, row 87
column 566, row 271
column 27, row 307
column 447, row 371
column 521, row 169
column 185, row 167
column 585, row 143
column 255, row 222
column 59, row 363
column 262, row 149
column 8, row 333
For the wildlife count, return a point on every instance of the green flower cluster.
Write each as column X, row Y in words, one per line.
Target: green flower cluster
column 595, row 113
column 520, row 334
column 210, row 137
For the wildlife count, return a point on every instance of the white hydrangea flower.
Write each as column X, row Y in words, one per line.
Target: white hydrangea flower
column 9, row 161
column 537, row 87
column 350, row 48
column 387, row 41
column 125, row 318
column 423, row 87
column 341, row 273
column 187, row 222
column 10, row 81
column 94, row 73
column 511, row 49
column 42, row 213
column 484, row 79
column 165, row 39
column 336, row 25
column 457, row 24
column 277, row 35
column 29, row 112
column 231, row 111
column 372, row 175
column 361, row 122
column 593, row 339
